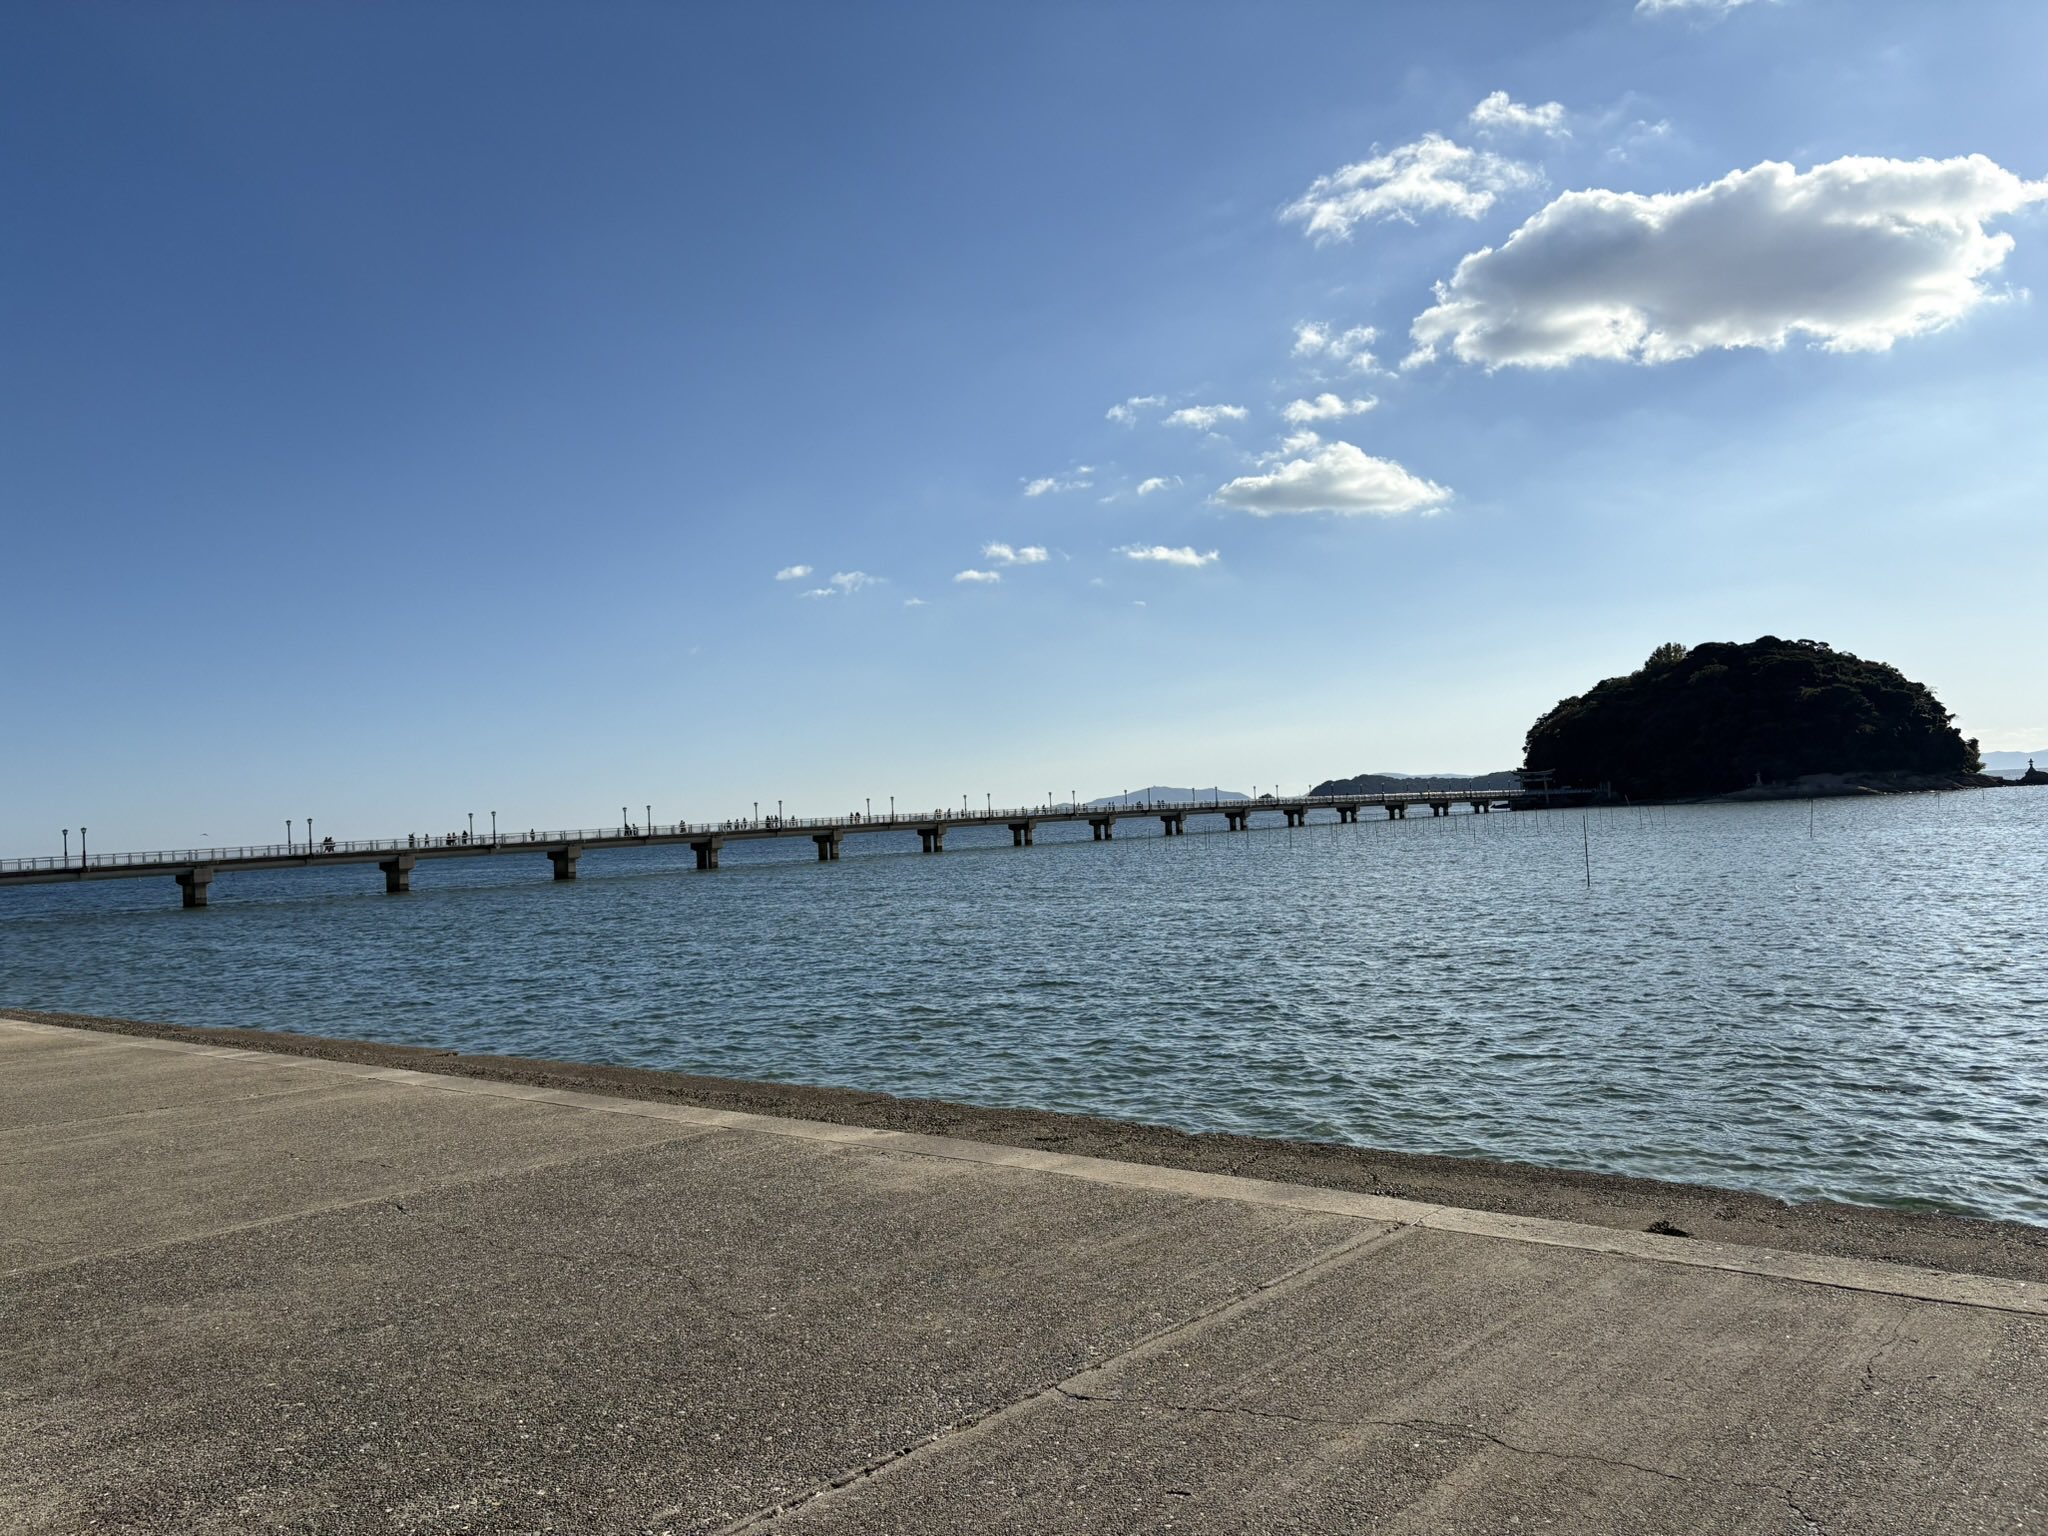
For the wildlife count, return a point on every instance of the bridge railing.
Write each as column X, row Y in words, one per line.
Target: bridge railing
column 536, row 839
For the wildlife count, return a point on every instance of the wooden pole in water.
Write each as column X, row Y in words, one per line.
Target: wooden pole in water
column 1586, row 839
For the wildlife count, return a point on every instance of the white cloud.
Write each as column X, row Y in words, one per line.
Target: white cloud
column 1205, row 416
column 1500, row 113
column 1325, row 407
column 1352, row 348
column 1432, row 175
column 1857, row 254
column 1709, row 7
column 1156, row 484
column 914, row 602
column 1184, row 556
column 1127, row 412
column 1003, row 554
column 1052, row 485
column 793, row 573
column 985, row 578
column 1292, row 445
column 843, row 583
column 1334, row 478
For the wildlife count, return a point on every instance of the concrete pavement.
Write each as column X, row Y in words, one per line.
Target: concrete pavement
column 244, row 1291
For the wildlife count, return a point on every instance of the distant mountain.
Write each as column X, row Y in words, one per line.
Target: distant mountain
column 1164, row 793
column 1402, row 783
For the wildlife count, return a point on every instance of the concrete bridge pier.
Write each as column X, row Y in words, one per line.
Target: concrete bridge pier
column 828, row 846
column 1104, row 828
column 931, row 839
column 1237, row 821
column 1482, row 807
column 1296, row 818
column 398, row 874
column 192, row 883
column 1397, row 813
column 1439, row 807
column 1174, row 824
column 564, row 860
column 707, row 852
column 1347, row 814
column 1021, row 833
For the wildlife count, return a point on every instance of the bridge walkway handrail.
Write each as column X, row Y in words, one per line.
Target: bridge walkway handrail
column 444, row 844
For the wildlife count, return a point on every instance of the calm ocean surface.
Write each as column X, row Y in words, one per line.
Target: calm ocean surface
column 1858, row 1012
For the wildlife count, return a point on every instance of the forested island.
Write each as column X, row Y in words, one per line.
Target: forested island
column 1726, row 717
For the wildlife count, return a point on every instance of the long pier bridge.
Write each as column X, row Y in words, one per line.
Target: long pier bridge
column 194, row 869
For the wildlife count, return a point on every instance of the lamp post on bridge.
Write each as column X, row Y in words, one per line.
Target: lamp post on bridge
column 757, row 813
column 81, row 846
column 778, row 813
column 472, row 828
column 892, row 807
column 309, row 835
column 67, row 847
column 494, row 829
column 287, row 834
column 869, row 802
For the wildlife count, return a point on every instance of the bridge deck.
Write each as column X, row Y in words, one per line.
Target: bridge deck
column 194, row 868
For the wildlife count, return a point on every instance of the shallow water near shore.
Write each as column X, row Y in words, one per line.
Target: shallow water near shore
column 1848, row 1000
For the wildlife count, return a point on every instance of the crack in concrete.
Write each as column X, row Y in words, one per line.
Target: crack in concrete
column 1440, row 1425
column 1812, row 1525
column 1890, row 1339
column 985, row 1422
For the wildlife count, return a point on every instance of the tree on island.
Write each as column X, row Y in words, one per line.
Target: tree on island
column 1723, row 716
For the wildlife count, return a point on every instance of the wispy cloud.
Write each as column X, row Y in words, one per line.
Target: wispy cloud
column 1500, row 113
column 1127, row 412
column 1157, row 484
column 845, row 583
column 1350, row 348
column 914, row 602
column 980, row 578
column 1052, row 485
column 1432, row 175
column 1333, row 477
column 1186, row 556
column 1205, row 417
column 1697, row 7
column 1004, row 554
column 1325, row 407
column 793, row 573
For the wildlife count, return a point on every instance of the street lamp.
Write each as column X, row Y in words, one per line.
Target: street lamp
column 67, row 847
column 892, row 807
column 81, row 847
column 494, row 829
column 757, row 813
column 623, row 820
column 472, row 828
column 309, row 834
column 778, row 813
column 287, row 834
column 869, row 802
column 988, row 801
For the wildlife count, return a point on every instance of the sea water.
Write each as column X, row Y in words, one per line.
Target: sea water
column 1846, row 999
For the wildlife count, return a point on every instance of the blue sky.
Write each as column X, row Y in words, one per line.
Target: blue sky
column 408, row 410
